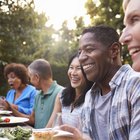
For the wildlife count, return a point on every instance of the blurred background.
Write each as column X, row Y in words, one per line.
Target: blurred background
column 51, row 29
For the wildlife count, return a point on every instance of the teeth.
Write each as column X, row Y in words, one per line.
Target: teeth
column 134, row 50
column 87, row 66
column 75, row 79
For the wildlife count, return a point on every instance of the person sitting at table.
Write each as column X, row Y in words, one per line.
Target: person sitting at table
column 71, row 99
column 21, row 95
column 42, row 78
column 111, row 108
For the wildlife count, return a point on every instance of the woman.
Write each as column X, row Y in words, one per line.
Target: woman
column 130, row 35
column 73, row 96
column 21, row 95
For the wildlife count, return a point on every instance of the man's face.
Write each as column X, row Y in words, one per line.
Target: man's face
column 34, row 78
column 131, row 32
column 94, row 57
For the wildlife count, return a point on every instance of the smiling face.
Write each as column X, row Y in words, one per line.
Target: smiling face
column 94, row 57
column 131, row 32
column 75, row 74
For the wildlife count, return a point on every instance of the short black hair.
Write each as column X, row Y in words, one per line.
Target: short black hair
column 104, row 34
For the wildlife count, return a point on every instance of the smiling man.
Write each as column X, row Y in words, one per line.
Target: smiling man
column 111, row 109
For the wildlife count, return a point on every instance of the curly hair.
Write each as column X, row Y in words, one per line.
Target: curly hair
column 19, row 70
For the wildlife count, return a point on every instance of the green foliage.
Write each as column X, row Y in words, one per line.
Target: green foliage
column 22, row 33
column 60, row 74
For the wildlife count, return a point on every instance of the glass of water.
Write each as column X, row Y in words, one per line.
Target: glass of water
column 67, row 118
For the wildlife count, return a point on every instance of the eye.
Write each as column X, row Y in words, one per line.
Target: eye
column 70, row 67
column 89, row 49
column 79, row 52
column 79, row 68
column 134, row 19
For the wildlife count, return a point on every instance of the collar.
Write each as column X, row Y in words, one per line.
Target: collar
column 50, row 90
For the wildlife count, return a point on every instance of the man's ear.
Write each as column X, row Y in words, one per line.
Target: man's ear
column 115, row 49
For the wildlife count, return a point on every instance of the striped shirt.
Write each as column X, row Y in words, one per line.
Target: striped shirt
column 124, row 111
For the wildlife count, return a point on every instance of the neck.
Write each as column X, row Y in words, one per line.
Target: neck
column 46, row 84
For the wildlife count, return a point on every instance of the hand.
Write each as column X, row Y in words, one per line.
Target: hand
column 77, row 135
column 6, row 105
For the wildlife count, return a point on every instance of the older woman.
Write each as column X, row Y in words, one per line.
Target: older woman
column 21, row 95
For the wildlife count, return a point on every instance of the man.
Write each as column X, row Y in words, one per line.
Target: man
column 41, row 77
column 112, row 107
column 130, row 35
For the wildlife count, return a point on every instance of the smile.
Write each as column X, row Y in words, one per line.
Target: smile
column 134, row 50
column 89, row 66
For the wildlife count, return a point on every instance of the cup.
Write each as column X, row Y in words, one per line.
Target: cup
column 68, row 118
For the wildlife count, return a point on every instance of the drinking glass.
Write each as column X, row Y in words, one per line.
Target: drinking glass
column 2, row 98
column 68, row 118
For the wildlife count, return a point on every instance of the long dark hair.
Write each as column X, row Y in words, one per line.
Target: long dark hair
column 69, row 93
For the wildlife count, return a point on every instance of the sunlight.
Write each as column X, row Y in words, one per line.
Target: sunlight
column 60, row 10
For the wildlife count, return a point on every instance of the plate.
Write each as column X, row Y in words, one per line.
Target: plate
column 4, row 112
column 60, row 133
column 41, row 129
column 14, row 120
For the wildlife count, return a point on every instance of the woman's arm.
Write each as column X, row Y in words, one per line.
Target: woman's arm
column 15, row 112
column 57, row 108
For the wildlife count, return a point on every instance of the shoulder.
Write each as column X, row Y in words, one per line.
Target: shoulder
column 11, row 91
column 57, row 86
column 31, row 87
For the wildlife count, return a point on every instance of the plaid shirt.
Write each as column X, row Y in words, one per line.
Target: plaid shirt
column 124, row 112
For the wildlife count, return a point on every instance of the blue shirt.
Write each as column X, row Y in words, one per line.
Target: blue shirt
column 25, row 101
column 124, row 111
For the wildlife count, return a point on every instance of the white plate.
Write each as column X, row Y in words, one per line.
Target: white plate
column 60, row 133
column 41, row 129
column 14, row 120
column 4, row 112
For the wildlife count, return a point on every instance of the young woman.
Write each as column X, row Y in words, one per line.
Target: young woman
column 72, row 97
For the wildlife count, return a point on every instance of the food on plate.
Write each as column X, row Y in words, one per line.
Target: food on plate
column 7, row 120
column 18, row 133
column 43, row 135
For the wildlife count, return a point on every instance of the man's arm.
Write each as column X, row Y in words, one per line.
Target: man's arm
column 57, row 108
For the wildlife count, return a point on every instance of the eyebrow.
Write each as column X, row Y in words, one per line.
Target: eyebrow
column 129, row 15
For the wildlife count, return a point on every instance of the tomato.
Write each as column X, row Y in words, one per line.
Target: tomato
column 6, row 120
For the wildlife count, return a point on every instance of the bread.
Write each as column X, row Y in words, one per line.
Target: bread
column 43, row 135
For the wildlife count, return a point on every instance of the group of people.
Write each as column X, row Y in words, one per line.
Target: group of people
column 102, row 91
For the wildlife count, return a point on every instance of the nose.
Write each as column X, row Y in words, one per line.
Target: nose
column 82, row 56
column 125, row 37
column 73, row 72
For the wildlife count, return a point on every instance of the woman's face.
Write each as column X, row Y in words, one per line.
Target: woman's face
column 13, row 80
column 75, row 74
column 131, row 32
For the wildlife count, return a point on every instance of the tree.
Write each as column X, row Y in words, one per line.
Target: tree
column 108, row 12
column 22, row 32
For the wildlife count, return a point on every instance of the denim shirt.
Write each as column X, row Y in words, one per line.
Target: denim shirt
column 124, row 112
